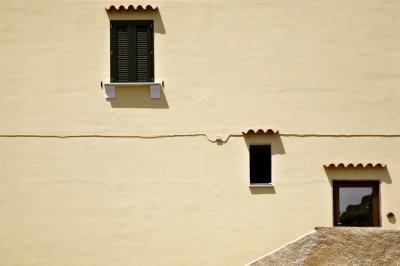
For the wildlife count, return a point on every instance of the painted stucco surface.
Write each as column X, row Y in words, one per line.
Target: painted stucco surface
column 339, row 246
column 113, row 201
column 319, row 67
column 140, row 181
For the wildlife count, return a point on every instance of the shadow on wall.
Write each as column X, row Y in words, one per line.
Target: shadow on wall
column 137, row 97
column 358, row 173
column 262, row 190
column 391, row 219
column 266, row 139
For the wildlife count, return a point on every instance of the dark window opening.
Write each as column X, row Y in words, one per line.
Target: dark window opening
column 132, row 51
column 356, row 203
column 260, row 164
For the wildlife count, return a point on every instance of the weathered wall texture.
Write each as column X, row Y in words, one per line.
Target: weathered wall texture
column 137, row 181
column 339, row 246
column 323, row 67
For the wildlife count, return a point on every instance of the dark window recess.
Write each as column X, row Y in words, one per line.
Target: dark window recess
column 260, row 164
column 132, row 51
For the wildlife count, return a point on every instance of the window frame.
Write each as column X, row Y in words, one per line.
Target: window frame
column 255, row 180
column 132, row 48
column 374, row 184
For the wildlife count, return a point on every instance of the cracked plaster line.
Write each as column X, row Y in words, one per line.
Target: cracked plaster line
column 115, row 136
column 218, row 140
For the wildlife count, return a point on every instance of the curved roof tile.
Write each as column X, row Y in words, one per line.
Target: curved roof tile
column 355, row 165
column 260, row 131
column 131, row 7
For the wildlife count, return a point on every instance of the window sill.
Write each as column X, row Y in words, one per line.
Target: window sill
column 262, row 185
column 155, row 88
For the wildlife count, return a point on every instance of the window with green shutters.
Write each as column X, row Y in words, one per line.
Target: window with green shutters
column 132, row 51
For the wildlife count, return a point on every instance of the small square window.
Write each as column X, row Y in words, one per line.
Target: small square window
column 356, row 203
column 132, row 51
column 260, row 164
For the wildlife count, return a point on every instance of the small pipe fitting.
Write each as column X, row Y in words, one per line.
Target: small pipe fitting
column 390, row 215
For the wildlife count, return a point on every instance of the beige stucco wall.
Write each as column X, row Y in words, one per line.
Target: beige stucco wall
column 110, row 195
column 303, row 66
column 118, row 201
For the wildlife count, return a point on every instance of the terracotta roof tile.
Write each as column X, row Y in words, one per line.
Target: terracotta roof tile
column 260, row 131
column 355, row 165
column 131, row 7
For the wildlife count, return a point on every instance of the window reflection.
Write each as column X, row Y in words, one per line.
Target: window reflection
column 355, row 206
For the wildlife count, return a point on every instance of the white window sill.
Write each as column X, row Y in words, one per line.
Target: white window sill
column 261, row 185
column 155, row 88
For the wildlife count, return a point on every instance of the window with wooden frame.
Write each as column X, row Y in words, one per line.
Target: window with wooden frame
column 132, row 56
column 356, row 203
column 260, row 165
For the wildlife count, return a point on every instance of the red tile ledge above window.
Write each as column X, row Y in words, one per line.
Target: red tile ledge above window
column 355, row 165
column 261, row 185
column 122, row 8
column 155, row 88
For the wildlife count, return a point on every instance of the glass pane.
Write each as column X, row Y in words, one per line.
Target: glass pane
column 355, row 206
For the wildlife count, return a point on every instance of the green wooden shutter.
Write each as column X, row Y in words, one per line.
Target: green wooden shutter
column 144, row 53
column 113, row 52
column 119, row 51
column 122, row 54
column 132, row 51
